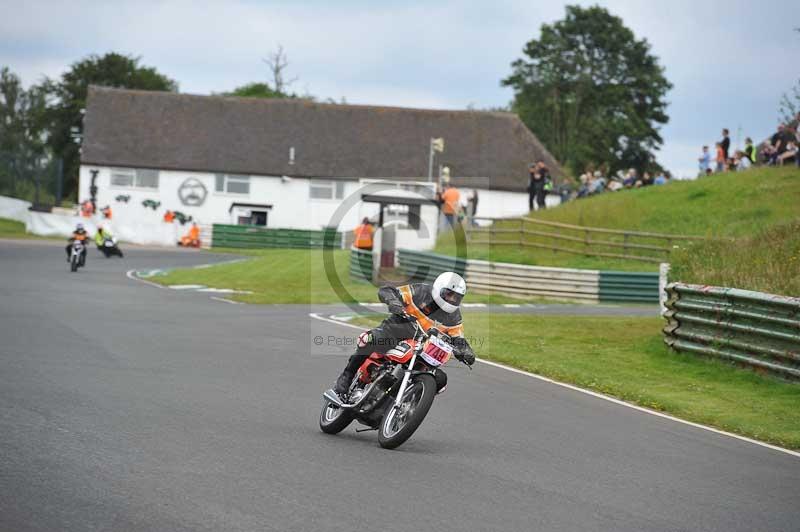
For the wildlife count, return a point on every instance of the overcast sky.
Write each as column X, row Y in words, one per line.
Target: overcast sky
column 729, row 61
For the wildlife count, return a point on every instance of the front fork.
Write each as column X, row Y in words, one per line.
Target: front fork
column 404, row 383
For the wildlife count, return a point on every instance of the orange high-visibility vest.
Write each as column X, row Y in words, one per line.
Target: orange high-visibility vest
column 450, row 198
column 363, row 236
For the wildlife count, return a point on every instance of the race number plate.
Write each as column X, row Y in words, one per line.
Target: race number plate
column 437, row 351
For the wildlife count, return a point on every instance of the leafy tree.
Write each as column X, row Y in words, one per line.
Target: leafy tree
column 23, row 153
column 256, row 90
column 591, row 91
column 790, row 104
column 109, row 70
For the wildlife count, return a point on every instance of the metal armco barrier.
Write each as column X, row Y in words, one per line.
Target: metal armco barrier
column 360, row 264
column 634, row 287
column 253, row 237
column 758, row 330
column 519, row 280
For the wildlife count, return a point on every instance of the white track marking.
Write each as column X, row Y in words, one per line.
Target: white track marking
column 186, row 286
column 604, row 397
column 225, row 300
column 473, row 305
column 512, row 305
column 130, row 274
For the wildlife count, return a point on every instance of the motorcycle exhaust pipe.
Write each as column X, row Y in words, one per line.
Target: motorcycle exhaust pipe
column 331, row 396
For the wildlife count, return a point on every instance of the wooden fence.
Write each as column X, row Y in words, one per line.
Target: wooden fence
column 576, row 239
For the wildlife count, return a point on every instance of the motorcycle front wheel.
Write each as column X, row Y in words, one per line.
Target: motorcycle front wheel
column 333, row 420
column 73, row 266
column 399, row 423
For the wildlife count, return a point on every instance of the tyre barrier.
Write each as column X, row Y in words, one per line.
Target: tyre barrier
column 360, row 264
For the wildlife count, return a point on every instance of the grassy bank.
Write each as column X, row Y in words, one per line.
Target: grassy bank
column 626, row 358
column 288, row 276
column 747, row 209
column 767, row 262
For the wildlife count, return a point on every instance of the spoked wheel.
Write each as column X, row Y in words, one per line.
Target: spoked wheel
column 332, row 419
column 399, row 423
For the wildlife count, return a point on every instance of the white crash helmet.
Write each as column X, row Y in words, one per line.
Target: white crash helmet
column 448, row 291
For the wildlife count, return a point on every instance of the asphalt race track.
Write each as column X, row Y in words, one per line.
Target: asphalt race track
column 128, row 407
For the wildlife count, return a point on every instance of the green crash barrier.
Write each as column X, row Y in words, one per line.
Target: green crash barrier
column 360, row 265
column 524, row 281
column 758, row 330
column 254, row 237
column 635, row 287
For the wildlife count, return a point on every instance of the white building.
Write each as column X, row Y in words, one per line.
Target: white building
column 290, row 163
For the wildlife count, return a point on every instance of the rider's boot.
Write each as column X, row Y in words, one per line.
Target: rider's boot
column 343, row 382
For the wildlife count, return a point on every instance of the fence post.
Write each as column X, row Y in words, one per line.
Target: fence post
column 663, row 274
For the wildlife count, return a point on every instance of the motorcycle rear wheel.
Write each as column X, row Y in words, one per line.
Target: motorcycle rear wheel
column 417, row 401
column 333, row 420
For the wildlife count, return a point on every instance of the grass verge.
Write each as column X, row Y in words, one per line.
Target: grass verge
column 288, row 276
column 15, row 229
column 625, row 358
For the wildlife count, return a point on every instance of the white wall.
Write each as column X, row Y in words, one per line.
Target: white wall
column 292, row 205
column 502, row 204
column 14, row 209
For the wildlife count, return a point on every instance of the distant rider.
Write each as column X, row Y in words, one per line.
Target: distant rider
column 432, row 305
column 78, row 234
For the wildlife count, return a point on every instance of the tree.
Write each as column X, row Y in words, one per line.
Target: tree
column 278, row 62
column 278, row 85
column 110, row 70
column 23, row 153
column 255, row 90
column 591, row 91
column 790, row 102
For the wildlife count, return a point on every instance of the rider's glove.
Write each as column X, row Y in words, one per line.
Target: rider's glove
column 466, row 356
column 395, row 307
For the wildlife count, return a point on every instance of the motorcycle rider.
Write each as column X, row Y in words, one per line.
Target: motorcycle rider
column 100, row 236
column 78, row 234
column 431, row 305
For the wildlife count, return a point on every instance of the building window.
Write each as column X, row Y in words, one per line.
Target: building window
column 324, row 189
column 232, row 183
column 134, row 178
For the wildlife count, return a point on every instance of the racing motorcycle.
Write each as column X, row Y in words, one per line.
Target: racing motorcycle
column 109, row 248
column 392, row 392
column 76, row 258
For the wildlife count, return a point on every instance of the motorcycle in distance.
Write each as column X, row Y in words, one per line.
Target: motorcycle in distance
column 392, row 392
column 76, row 257
column 109, row 247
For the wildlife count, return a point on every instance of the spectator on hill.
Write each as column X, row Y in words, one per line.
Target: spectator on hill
column 790, row 154
column 662, row 178
column 741, row 161
column 750, row 150
column 598, row 183
column 720, row 158
column 725, row 143
column 630, row 178
column 777, row 145
column 536, row 185
column 704, row 161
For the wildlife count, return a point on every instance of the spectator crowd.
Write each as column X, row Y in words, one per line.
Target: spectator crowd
column 781, row 148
